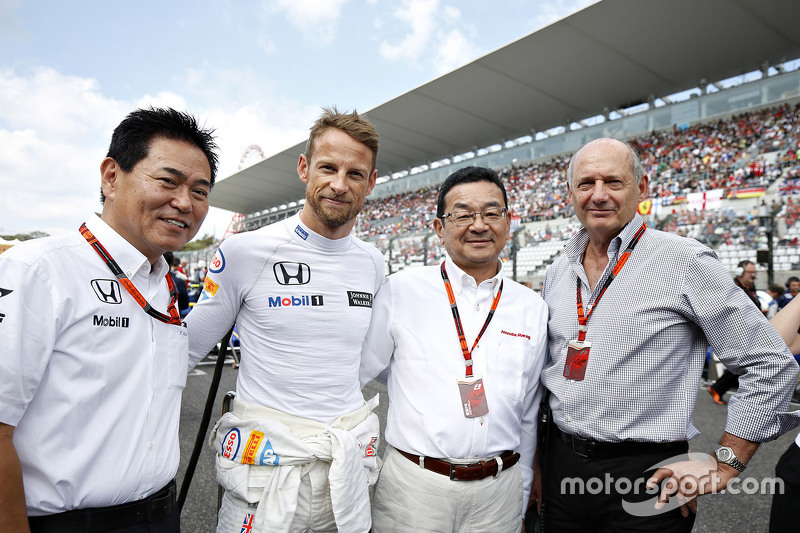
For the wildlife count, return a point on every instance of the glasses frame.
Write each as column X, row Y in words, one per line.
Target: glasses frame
column 474, row 215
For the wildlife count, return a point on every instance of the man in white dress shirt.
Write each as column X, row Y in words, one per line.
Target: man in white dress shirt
column 93, row 354
column 464, row 348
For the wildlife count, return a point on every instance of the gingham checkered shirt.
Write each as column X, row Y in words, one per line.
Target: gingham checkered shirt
column 649, row 334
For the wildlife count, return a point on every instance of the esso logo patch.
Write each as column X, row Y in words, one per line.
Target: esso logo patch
column 217, row 263
column 230, row 446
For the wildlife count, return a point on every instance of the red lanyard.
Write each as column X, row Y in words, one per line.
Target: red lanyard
column 583, row 320
column 460, row 330
column 173, row 318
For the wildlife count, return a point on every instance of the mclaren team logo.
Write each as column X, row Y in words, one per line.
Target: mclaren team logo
column 288, row 273
column 107, row 290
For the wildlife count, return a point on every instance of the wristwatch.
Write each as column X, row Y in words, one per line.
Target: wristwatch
column 725, row 455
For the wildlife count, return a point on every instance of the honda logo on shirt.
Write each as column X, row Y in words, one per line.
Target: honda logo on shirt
column 288, row 273
column 107, row 290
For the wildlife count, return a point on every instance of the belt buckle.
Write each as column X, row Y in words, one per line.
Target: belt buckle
column 582, row 447
column 452, row 471
column 499, row 461
column 160, row 505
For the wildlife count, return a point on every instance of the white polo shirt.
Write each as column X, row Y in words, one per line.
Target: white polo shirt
column 90, row 381
column 413, row 332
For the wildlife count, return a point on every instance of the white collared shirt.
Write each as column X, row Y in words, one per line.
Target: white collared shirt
column 413, row 332
column 91, row 383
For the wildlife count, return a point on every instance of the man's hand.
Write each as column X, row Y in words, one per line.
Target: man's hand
column 536, row 486
column 14, row 516
column 686, row 480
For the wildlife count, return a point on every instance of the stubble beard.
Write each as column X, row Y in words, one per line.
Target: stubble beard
column 331, row 217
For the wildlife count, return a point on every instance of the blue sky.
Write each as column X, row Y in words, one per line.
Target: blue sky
column 257, row 71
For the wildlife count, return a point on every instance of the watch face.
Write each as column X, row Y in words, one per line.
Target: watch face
column 724, row 454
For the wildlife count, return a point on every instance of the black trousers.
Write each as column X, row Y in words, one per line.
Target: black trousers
column 168, row 524
column 586, row 494
column 157, row 514
column 783, row 516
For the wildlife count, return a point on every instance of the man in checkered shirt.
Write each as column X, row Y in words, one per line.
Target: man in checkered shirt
column 632, row 310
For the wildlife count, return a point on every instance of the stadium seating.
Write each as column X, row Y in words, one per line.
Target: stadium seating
column 754, row 151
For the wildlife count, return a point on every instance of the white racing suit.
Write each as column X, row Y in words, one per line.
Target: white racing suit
column 262, row 454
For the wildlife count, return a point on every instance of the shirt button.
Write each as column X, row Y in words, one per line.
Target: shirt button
column 129, row 274
column 477, row 307
column 569, row 418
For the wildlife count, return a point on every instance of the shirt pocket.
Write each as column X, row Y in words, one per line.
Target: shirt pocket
column 177, row 357
column 507, row 368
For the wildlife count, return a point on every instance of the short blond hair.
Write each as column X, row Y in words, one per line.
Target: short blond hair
column 352, row 124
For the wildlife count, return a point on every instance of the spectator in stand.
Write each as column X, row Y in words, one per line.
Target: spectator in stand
column 180, row 283
column 176, row 268
column 200, row 272
column 184, row 268
column 792, row 288
column 775, row 291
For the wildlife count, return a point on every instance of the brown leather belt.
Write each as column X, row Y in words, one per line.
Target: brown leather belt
column 465, row 472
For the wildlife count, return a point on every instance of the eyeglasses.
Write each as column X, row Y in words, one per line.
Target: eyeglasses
column 465, row 218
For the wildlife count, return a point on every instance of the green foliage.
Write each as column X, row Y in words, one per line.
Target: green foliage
column 202, row 243
column 25, row 236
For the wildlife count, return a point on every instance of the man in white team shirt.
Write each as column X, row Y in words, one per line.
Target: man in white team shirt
column 92, row 374
column 297, row 451
column 463, row 409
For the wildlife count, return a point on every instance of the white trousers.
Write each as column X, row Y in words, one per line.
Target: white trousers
column 318, row 478
column 409, row 499
column 314, row 513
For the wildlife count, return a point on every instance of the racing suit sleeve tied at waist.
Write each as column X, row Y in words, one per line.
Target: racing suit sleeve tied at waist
column 262, row 453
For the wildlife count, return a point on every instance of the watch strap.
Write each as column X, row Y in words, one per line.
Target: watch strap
column 732, row 461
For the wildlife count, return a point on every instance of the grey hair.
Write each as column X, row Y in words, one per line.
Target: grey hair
column 636, row 164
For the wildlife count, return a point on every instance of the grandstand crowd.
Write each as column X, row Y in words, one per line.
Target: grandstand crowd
column 745, row 153
column 727, row 154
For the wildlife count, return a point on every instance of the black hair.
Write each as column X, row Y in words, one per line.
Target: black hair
column 131, row 139
column 468, row 175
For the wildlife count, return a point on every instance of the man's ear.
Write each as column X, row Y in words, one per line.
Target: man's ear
column 372, row 179
column 302, row 168
column 109, row 173
column 644, row 188
column 438, row 227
